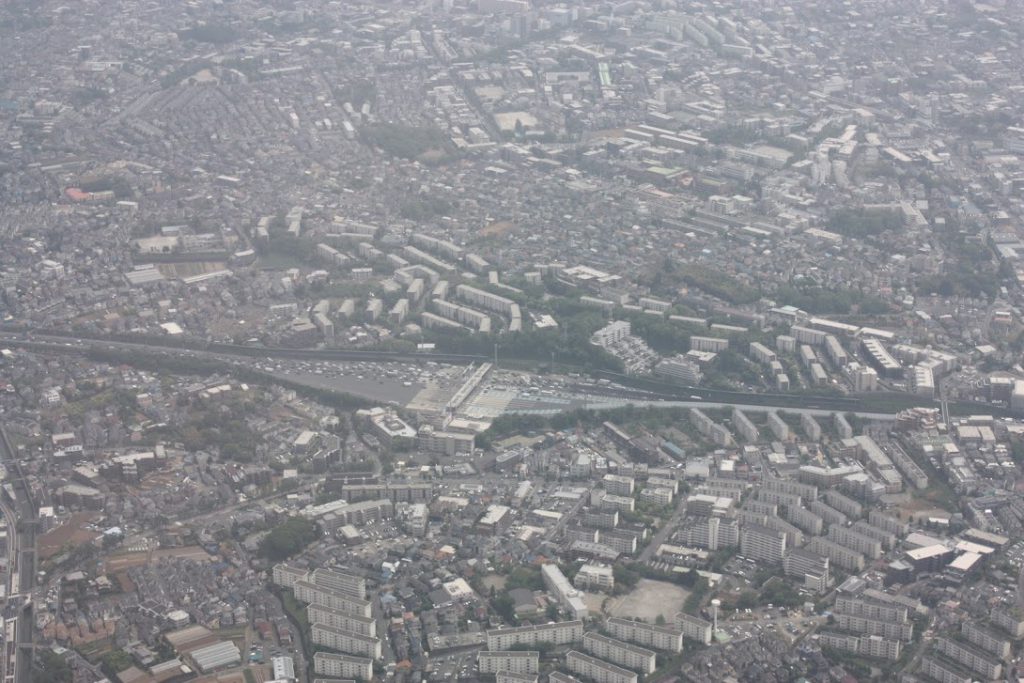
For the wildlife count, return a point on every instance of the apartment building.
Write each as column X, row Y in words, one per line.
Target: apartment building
column 560, row 633
column 508, row 661
column 809, row 567
column 347, row 584
column 870, row 609
column 308, row 592
column 873, row 627
column 944, row 670
column 987, row 639
column 318, row 614
column 618, row 485
column 597, row 670
column 694, row 628
column 839, row 555
column 968, row 656
column 713, row 533
column 712, row 344
column 868, row 646
column 348, row 642
column 621, row 653
column 342, row 666
column 758, row 542
column 847, row 537
column 648, row 635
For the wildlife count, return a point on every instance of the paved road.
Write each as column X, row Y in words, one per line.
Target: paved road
column 663, row 533
column 668, row 396
column 25, row 513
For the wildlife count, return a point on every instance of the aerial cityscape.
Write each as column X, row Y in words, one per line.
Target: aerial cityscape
column 511, row 341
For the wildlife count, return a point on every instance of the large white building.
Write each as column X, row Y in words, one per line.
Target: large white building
column 348, row 642
column 508, row 661
column 595, row 577
column 694, row 628
column 758, row 542
column 621, row 653
column 343, row 666
column 611, row 333
column 568, row 597
column 559, row 633
column 649, row 635
column 337, row 619
column 598, row 670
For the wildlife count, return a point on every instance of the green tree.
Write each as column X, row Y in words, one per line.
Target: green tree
column 288, row 538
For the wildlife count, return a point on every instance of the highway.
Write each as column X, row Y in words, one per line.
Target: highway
column 25, row 515
column 638, row 389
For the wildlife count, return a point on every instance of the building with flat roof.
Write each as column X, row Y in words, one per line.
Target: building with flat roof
column 348, row 642
column 649, row 635
column 559, row 633
column 594, row 577
column 621, row 653
column 598, row 670
column 508, row 661
column 568, row 597
column 343, row 666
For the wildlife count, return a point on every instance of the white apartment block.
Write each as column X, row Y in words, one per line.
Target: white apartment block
column 967, row 655
column 712, row 344
column 869, row 646
column 337, row 619
column 761, row 543
column 618, row 652
column 649, row 635
column 343, row 666
column 508, row 661
column 597, row 670
column 986, row 638
column 694, row 628
column 560, row 633
column 567, row 595
column 839, row 555
column 872, row 627
column 308, row 592
column 348, row 642
column 349, row 584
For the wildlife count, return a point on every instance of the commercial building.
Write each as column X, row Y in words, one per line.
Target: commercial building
column 649, row 635
column 508, row 661
column 621, row 653
column 597, row 670
column 217, row 656
column 342, row 666
column 495, row 520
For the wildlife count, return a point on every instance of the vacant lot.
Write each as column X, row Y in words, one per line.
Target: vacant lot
column 648, row 600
